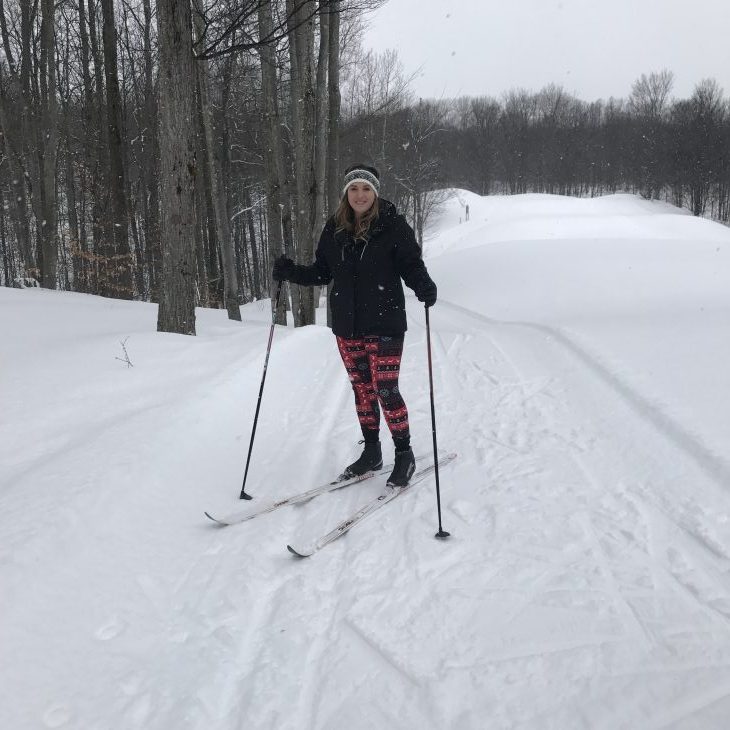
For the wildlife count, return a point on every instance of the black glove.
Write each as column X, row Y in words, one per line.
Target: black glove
column 283, row 268
column 426, row 292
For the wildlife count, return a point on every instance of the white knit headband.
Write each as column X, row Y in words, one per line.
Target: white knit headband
column 361, row 176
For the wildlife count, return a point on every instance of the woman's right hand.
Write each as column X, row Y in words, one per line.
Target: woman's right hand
column 283, row 268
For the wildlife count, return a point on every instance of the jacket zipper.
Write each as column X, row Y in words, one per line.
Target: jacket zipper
column 355, row 272
column 354, row 281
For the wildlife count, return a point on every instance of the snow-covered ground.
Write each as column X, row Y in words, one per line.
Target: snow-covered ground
column 581, row 353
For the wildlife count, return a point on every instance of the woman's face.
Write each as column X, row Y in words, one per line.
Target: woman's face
column 361, row 197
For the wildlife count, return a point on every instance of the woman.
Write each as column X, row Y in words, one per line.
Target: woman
column 367, row 248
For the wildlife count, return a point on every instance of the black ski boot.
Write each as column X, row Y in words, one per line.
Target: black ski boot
column 405, row 465
column 371, row 459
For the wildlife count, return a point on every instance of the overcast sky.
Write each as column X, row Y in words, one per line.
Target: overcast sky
column 593, row 48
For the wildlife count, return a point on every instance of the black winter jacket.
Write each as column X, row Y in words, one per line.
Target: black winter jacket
column 367, row 295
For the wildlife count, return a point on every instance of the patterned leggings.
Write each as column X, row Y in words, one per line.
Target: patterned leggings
column 373, row 365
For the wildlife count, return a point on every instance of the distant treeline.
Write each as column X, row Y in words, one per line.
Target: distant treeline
column 676, row 150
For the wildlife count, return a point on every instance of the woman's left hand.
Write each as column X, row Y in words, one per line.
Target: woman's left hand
column 426, row 292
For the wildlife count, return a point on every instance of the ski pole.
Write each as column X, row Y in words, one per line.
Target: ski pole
column 441, row 533
column 261, row 392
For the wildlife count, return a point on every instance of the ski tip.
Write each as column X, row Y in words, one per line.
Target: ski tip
column 298, row 553
column 216, row 520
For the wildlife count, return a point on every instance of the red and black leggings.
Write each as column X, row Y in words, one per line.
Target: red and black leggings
column 373, row 365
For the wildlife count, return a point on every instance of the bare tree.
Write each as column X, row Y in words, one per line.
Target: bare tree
column 519, row 114
column 14, row 130
column 302, row 107
column 150, row 159
column 418, row 168
column 334, row 105
column 486, row 112
column 117, row 257
column 699, row 144
column 649, row 102
column 322, row 126
column 179, row 168
column 31, row 133
column 650, row 94
column 217, row 191
column 276, row 178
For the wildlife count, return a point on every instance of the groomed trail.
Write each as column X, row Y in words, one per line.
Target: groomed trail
column 586, row 584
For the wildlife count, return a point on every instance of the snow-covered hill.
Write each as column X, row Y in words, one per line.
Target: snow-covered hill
column 581, row 353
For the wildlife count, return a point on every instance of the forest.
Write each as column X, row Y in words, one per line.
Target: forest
column 169, row 151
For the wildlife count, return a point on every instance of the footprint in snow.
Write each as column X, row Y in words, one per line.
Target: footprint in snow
column 57, row 716
column 110, row 630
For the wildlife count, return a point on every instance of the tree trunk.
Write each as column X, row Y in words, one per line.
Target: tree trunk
column 301, row 50
column 29, row 129
column 203, row 298
column 73, row 218
column 321, row 127
column 86, row 265
column 151, row 162
column 19, row 213
column 206, row 219
column 8, row 262
column 255, row 267
column 117, row 280
column 15, row 102
column 48, row 139
column 178, row 167
column 335, row 100
column 274, row 152
column 245, row 265
column 98, row 160
column 333, row 129
column 217, row 188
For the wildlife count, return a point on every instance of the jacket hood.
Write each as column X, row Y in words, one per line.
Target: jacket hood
column 387, row 209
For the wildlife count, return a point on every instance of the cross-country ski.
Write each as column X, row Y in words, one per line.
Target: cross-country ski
column 299, row 498
column 378, row 502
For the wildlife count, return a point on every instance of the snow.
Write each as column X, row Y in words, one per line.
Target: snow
column 580, row 350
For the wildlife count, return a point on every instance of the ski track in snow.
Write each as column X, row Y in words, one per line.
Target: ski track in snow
column 669, row 568
column 240, row 621
column 529, row 448
column 247, row 638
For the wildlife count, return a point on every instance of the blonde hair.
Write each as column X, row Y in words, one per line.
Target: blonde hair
column 345, row 219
